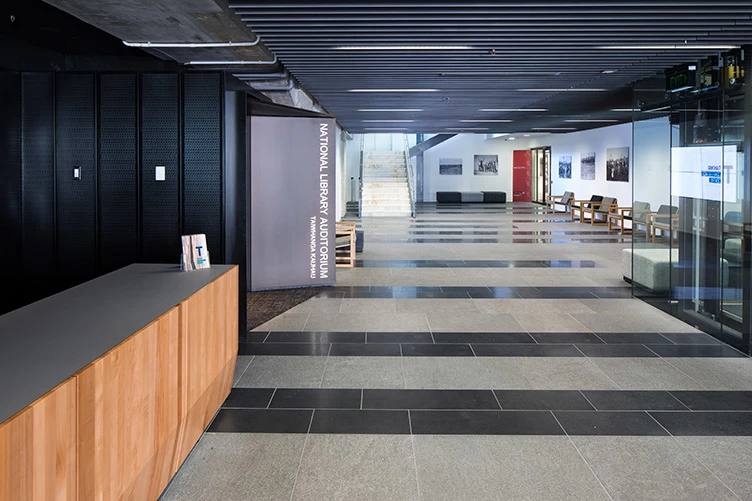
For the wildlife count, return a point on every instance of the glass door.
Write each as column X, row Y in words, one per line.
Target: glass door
column 540, row 173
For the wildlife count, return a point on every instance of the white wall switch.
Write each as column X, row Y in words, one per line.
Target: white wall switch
column 159, row 174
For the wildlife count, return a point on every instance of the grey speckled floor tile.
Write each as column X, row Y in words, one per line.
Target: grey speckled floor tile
column 503, row 467
column 240, row 366
column 730, row 458
column 238, row 467
column 364, row 372
column 357, row 467
column 564, row 374
column 640, row 468
column 283, row 372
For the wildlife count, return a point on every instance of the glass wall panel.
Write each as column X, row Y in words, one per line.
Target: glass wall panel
column 691, row 152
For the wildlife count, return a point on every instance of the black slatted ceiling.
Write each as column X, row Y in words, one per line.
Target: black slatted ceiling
column 538, row 45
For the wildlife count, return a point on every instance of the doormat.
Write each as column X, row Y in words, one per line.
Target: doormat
column 265, row 305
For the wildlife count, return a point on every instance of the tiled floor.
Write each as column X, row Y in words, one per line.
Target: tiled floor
column 479, row 352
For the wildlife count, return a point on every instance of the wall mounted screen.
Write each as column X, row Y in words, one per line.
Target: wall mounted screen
column 704, row 172
column 292, row 202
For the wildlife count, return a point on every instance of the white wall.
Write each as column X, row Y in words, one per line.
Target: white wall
column 652, row 150
column 466, row 146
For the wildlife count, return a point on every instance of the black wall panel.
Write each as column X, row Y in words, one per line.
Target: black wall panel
column 202, row 159
column 160, row 146
column 118, row 167
column 38, row 187
column 76, row 198
column 10, row 179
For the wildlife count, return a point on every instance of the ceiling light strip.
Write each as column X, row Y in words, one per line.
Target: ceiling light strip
column 231, row 63
column 403, row 47
column 190, row 45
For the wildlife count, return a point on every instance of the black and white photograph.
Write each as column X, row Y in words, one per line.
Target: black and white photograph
column 617, row 164
column 450, row 166
column 565, row 167
column 587, row 166
column 486, row 165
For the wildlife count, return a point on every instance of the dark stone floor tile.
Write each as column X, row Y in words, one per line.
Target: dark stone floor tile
column 609, row 423
column 261, row 421
column 497, row 293
column 249, row 398
column 615, row 350
column 633, row 338
column 437, row 350
column 690, row 338
column 466, row 290
column 316, row 337
column 715, row 400
column 484, row 337
column 697, row 350
column 255, row 337
column 566, row 338
column 429, row 399
column 526, row 350
column 315, row 398
column 628, row 400
column 706, row 423
column 399, row 337
column 364, row 350
column 543, row 400
column 283, row 349
column 484, row 423
column 361, row 422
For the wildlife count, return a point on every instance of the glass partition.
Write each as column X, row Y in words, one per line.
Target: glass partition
column 691, row 255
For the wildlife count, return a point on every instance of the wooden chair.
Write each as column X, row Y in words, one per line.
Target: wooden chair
column 599, row 211
column 564, row 200
column 666, row 219
column 636, row 215
column 579, row 205
column 345, row 247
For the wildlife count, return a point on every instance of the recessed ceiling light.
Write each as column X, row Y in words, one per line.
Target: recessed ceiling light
column 383, row 128
column 562, row 90
column 393, row 90
column 554, row 128
column 229, row 63
column 388, row 121
column 467, row 128
column 608, row 72
column 668, row 47
column 387, row 110
column 486, row 121
column 590, row 121
column 526, row 135
column 191, row 44
column 500, row 74
column 625, row 110
column 515, row 109
column 402, row 47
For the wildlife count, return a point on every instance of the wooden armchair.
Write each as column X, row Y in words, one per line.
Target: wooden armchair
column 579, row 205
column 345, row 246
column 636, row 215
column 564, row 200
column 666, row 219
column 599, row 211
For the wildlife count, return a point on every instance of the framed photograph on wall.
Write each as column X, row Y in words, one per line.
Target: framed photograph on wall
column 617, row 164
column 450, row 166
column 486, row 165
column 565, row 167
column 587, row 166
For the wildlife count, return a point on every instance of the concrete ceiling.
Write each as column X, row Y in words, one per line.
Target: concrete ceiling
column 540, row 54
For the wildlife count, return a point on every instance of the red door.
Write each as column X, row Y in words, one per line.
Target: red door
column 522, row 185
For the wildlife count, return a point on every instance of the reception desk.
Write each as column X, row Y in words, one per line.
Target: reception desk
column 107, row 387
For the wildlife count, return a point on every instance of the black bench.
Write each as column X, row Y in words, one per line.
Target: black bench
column 456, row 197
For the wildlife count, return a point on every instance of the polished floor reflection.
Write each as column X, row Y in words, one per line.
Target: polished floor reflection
column 479, row 370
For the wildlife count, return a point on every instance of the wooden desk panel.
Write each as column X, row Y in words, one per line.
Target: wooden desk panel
column 38, row 449
column 128, row 416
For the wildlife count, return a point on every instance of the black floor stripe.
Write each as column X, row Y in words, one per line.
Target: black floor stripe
column 378, row 240
column 448, row 292
column 475, row 264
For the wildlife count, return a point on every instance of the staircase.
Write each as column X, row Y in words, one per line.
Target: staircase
column 385, row 188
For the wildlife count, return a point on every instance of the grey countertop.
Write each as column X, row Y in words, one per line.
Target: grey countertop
column 45, row 343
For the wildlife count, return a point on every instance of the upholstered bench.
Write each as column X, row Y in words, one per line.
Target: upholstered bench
column 457, row 197
column 651, row 268
column 471, row 196
column 494, row 197
column 448, row 197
